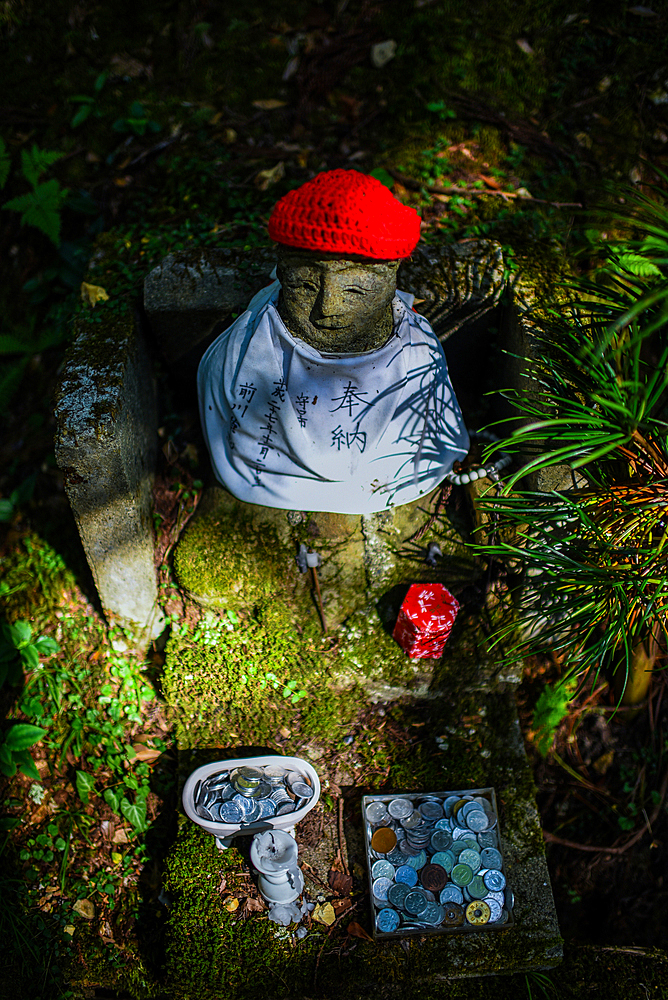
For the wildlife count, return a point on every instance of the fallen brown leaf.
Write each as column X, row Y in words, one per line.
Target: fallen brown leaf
column 356, row 930
column 340, row 882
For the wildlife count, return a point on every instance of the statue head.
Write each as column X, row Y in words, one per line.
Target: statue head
column 342, row 237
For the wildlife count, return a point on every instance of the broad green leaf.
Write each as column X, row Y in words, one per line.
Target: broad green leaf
column 22, row 735
column 46, row 646
column 113, row 799
column 7, row 765
column 135, row 813
column 30, row 657
column 85, row 785
column 20, row 633
column 5, row 162
column 27, row 765
column 6, row 511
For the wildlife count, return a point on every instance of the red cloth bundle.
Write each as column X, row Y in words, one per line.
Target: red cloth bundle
column 425, row 620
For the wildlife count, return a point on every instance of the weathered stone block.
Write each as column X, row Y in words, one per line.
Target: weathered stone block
column 106, row 447
column 189, row 292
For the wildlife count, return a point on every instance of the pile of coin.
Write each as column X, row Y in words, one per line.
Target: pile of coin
column 435, row 863
column 248, row 794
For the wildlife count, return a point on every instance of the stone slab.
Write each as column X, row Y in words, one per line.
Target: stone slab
column 105, row 446
column 189, row 292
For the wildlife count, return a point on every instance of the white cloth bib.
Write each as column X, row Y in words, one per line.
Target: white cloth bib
column 289, row 427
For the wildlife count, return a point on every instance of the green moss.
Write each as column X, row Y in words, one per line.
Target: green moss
column 250, row 677
column 33, row 578
column 234, row 561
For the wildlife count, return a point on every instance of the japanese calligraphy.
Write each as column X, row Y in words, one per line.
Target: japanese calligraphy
column 300, row 406
column 342, row 438
column 247, row 391
column 280, row 390
column 350, row 399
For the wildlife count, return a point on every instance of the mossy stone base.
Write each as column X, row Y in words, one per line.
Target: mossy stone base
column 209, row 948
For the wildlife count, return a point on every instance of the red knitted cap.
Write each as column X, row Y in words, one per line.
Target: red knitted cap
column 343, row 211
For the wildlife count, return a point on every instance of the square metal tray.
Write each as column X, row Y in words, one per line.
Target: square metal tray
column 371, row 856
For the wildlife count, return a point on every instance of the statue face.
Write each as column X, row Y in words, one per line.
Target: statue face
column 336, row 304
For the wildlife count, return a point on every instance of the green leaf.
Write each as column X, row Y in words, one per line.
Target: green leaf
column 41, row 208
column 26, row 765
column 113, row 799
column 5, row 162
column 46, row 646
column 135, row 813
column 35, row 161
column 6, row 511
column 383, row 176
column 100, row 81
column 638, row 265
column 7, row 765
column 81, row 115
column 22, row 735
column 20, row 634
column 85, row 785
column 30, row 657
column 8, row 823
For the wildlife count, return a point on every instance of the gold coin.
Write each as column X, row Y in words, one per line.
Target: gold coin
column 384, row 840
column 457, row 806
column 478, row 912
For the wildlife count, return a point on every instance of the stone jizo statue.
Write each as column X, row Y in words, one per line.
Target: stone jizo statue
column 330, row 393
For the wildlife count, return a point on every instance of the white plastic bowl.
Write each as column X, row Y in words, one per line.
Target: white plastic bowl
column 224, row 832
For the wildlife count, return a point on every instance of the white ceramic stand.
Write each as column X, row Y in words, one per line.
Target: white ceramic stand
column 274, row 854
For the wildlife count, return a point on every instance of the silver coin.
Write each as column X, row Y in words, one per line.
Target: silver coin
column 459, row 832
column 441, row 840
column 451, row 894
column 494, row 880
column 274, row 774
column 230, row 812
column 477, row 820
column 449, row 803
column 472, row 859
column 495, row 909
column 253, row 814
column 376, row 813
column 380, row 887
column 411, row 821
column 293, row 776
column 397, row 893
column 399, row 808
column 503, row 919
column 246, row 805
column 466, row 809
column 444, row 824
column 204, row 813
column 382, row 869
column 387, row 921
column 488, row 839
column 432, row 914
column 216, row 781
column 491, row 858
column 431, row 810
column 267, row 808
column 500, row 897
column 445, row 859
column 418, row 861
column 302, row 790
column 283, row 808
column 415, row 902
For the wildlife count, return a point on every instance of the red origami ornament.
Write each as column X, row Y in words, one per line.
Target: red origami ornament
column 425, row 620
